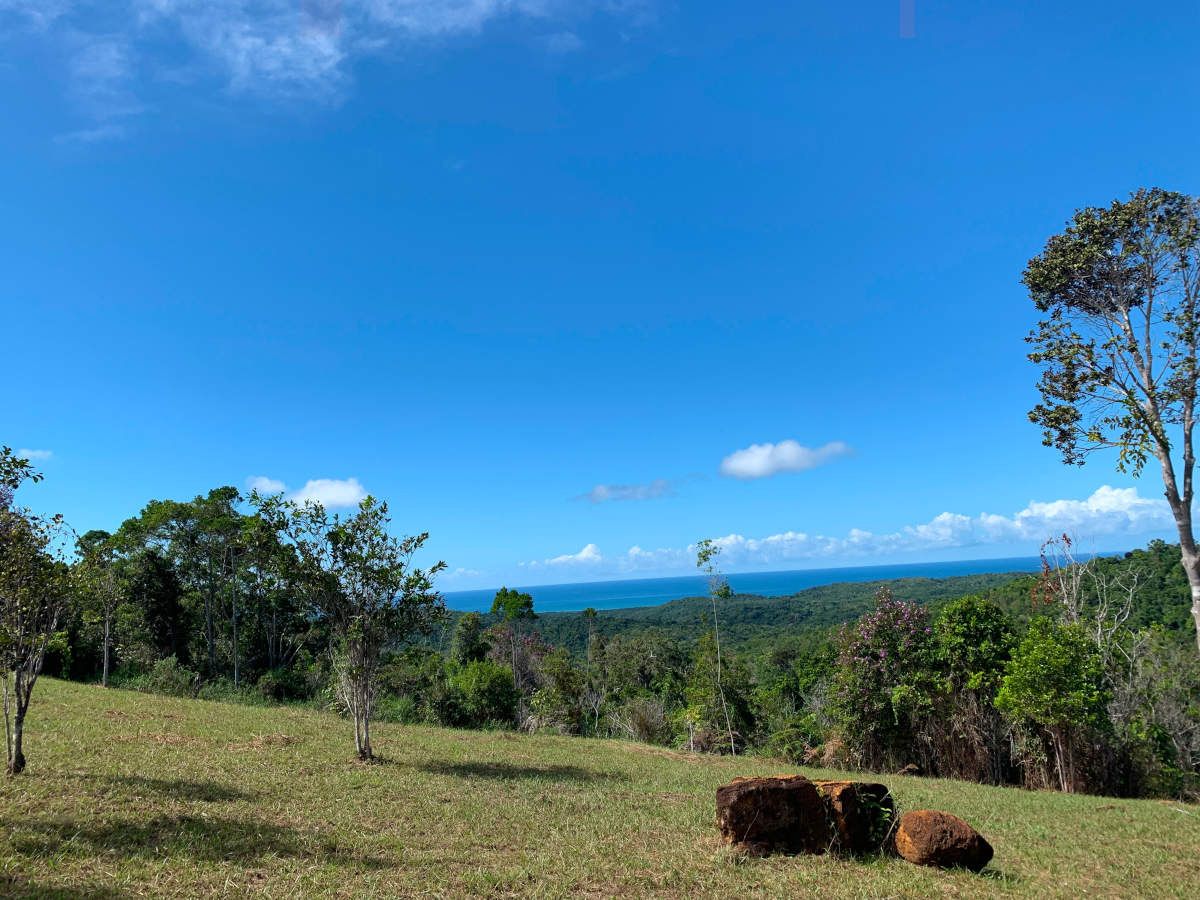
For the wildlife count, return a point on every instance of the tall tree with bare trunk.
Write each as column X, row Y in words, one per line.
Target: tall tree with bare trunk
column 1119, row 344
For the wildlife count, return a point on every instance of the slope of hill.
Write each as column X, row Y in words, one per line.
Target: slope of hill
column 746, row 618
column 132, row 795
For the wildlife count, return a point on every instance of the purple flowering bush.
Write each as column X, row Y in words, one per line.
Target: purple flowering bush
column 885, row 681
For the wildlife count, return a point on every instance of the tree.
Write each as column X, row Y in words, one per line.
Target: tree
column 718, row 589
column 1119, row 347
column 513, row 607
column 884, row 682
column 1055, row 682
column 34, row 593
column 100, row 587
column 468, row 643
column 362, row 582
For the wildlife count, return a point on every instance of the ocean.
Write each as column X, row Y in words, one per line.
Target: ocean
column 654, row 591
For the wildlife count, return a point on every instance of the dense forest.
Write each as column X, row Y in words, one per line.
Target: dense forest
column 1081, row 678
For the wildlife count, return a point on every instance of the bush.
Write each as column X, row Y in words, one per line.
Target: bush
column 482, row 693
column 280, row 685
column 884, row 682
column 167, row 676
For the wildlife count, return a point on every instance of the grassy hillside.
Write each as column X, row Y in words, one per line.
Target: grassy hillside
column 747, row 619
column 136, row 795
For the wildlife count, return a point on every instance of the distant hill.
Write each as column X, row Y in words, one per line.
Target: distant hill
column 748, row 619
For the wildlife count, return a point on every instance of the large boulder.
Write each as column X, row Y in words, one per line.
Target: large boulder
column 778, row 813
column 930, row 838
column 860, row 813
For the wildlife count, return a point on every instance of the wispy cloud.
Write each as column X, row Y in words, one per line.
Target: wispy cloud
column 765, row 460
column 659, row 487
column 329, row 492
column 1107, row 512
column 35, row 455
column 299, row 50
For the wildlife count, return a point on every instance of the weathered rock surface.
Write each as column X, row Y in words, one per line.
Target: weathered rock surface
column 859, row 812
column 781, row 813
column 930, row 838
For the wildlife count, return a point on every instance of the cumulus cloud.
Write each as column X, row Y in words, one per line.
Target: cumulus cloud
column 265, row 485
column 765, row 460
column 1107, row 512
column 659, row 487
column 589, row 555
column 302, row 50
column 34, row 455
column 329, row 492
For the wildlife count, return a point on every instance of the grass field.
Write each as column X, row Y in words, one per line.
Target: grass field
column 131, row 795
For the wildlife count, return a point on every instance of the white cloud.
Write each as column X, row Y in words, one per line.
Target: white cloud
column 329, row 492
column 659, row 487
column 462, row 572
column 765, row 460
column 265, row 485
column 589, row 555
column 35, row 455
column 1107, row 512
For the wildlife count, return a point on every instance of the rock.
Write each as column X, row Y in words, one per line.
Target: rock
column 930, row 838
column 778, row 813
column 860, row 813
column 910, row 769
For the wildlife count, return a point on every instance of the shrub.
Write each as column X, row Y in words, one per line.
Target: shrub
column 167, row 676
column 482, row 693
column 884, row 683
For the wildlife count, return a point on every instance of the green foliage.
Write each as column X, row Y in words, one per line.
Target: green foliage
column 884, row 682
column 167, row 676
column 1055, row 679
column 483, row 694
column 975, row 640
column 468, row 643
column 513, row 606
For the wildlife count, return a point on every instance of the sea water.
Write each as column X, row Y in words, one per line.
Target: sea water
column 653, row 591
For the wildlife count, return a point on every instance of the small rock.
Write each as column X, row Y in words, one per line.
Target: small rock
column 930, row 838
column 778, row 813
column 860, row 812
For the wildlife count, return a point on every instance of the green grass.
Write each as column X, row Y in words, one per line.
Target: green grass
column 136, row 795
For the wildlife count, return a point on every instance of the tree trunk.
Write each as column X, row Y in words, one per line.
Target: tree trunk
column 16, row 756
column 237, row 671
column 1191, row 568
column 107, row 645
column 208, row 633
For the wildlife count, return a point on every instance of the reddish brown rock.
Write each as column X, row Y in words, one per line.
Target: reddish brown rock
column 930, row 838
column 859, row 812
column 782, row 813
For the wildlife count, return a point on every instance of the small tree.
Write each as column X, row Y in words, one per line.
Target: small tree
column 361, row 580
column 884, row 682
column 718, row 589
column 1055, row 682
column 1120, row 344
column 513, row 607
column 468, row 643
column 34, row 593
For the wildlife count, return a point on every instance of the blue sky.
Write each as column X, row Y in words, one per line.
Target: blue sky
column 549, row 277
